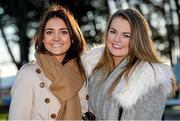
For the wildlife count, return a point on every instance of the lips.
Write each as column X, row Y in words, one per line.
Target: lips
column 117, row 46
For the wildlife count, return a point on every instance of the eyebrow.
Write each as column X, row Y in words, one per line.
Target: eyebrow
column 123, row 32
column 53, row 29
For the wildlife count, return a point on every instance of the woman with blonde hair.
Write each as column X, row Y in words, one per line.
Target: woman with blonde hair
column 129, row 82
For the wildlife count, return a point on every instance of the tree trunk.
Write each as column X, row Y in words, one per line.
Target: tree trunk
column 24, row 42
column 178, row 15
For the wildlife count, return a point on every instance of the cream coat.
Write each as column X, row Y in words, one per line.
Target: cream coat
column 31, row 97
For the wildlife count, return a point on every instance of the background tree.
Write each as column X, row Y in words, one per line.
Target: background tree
column 23, row 15
column 163, row 17
column 20, row 15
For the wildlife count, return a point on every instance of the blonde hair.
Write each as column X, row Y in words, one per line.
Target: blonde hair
column 140, row 46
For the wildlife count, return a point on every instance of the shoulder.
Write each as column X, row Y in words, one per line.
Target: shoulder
column 91, row 58
column 161, row 73
column 28, row 66
column 93, row 52
column 154, row 75
column 25, row 76
column 27, row 71
column 145, row 77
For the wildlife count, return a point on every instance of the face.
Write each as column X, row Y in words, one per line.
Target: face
column 56, row 38
column 118, row 38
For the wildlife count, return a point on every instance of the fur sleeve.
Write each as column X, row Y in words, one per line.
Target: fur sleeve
column 141, row 81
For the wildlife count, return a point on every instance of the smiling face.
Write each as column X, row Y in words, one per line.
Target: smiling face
column 56, row 38
column 118, row 37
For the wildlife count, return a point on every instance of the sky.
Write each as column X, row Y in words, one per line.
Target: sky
column 7, row 68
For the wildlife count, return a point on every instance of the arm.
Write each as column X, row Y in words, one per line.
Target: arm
column 148, row 107
column 82, row 95
column 22, row 96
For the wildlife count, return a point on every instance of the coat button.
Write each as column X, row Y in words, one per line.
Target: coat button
column 47, row 100
column 53, row 115
column 87, row 97
column 42, row 84
column 38, row 71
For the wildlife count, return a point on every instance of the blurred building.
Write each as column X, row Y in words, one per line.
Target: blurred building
column 5, row 87
column 176, row 69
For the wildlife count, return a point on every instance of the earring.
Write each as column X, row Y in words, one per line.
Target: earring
column 72, row 41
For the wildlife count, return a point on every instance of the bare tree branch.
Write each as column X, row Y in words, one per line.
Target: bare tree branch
column 7, row 45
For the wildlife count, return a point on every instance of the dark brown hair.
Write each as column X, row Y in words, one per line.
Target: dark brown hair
column 78, row 45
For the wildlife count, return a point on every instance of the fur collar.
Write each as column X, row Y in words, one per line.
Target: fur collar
column 90, row 58
column 143, row 78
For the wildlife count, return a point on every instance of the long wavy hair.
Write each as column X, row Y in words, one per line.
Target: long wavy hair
column 77, row 46
column 141, row 46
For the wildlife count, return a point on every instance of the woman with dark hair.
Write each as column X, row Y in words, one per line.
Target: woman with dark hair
column 129, row 82
column 51, row 88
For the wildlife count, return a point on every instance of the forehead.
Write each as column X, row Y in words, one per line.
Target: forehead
column 120, row 24
column 55, row 22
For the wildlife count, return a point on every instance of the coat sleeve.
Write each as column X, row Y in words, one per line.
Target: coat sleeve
column 145, row 94
column 148, row 107
column 22, row 95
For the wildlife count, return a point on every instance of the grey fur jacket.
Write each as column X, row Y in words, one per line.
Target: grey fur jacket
column 142, row 98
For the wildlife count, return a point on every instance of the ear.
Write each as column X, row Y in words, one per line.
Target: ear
column 72, row 41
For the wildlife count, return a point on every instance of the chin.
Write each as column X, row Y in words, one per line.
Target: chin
column 117, row 54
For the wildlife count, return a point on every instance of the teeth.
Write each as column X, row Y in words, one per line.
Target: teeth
column 56, row 45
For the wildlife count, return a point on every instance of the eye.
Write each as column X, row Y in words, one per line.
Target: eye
column 48, row 32
column 64, row 32
column 112, row 31
column 126, row 35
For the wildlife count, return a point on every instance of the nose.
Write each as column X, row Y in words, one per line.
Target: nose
column 56, row 36
column 118, row 38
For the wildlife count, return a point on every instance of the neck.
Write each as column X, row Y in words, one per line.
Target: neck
column 59, row 58
column 117, row 60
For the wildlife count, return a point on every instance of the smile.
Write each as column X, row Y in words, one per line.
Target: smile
column 117, row 46
column 56, row 45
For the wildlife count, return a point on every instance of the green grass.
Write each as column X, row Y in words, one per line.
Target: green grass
column 3, row 116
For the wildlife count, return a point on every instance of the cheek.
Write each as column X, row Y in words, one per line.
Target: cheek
column 110, row 37
column 127, row 46
column 46, row 41
column 109, row 40
column 108, row 43
column 67, row 44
